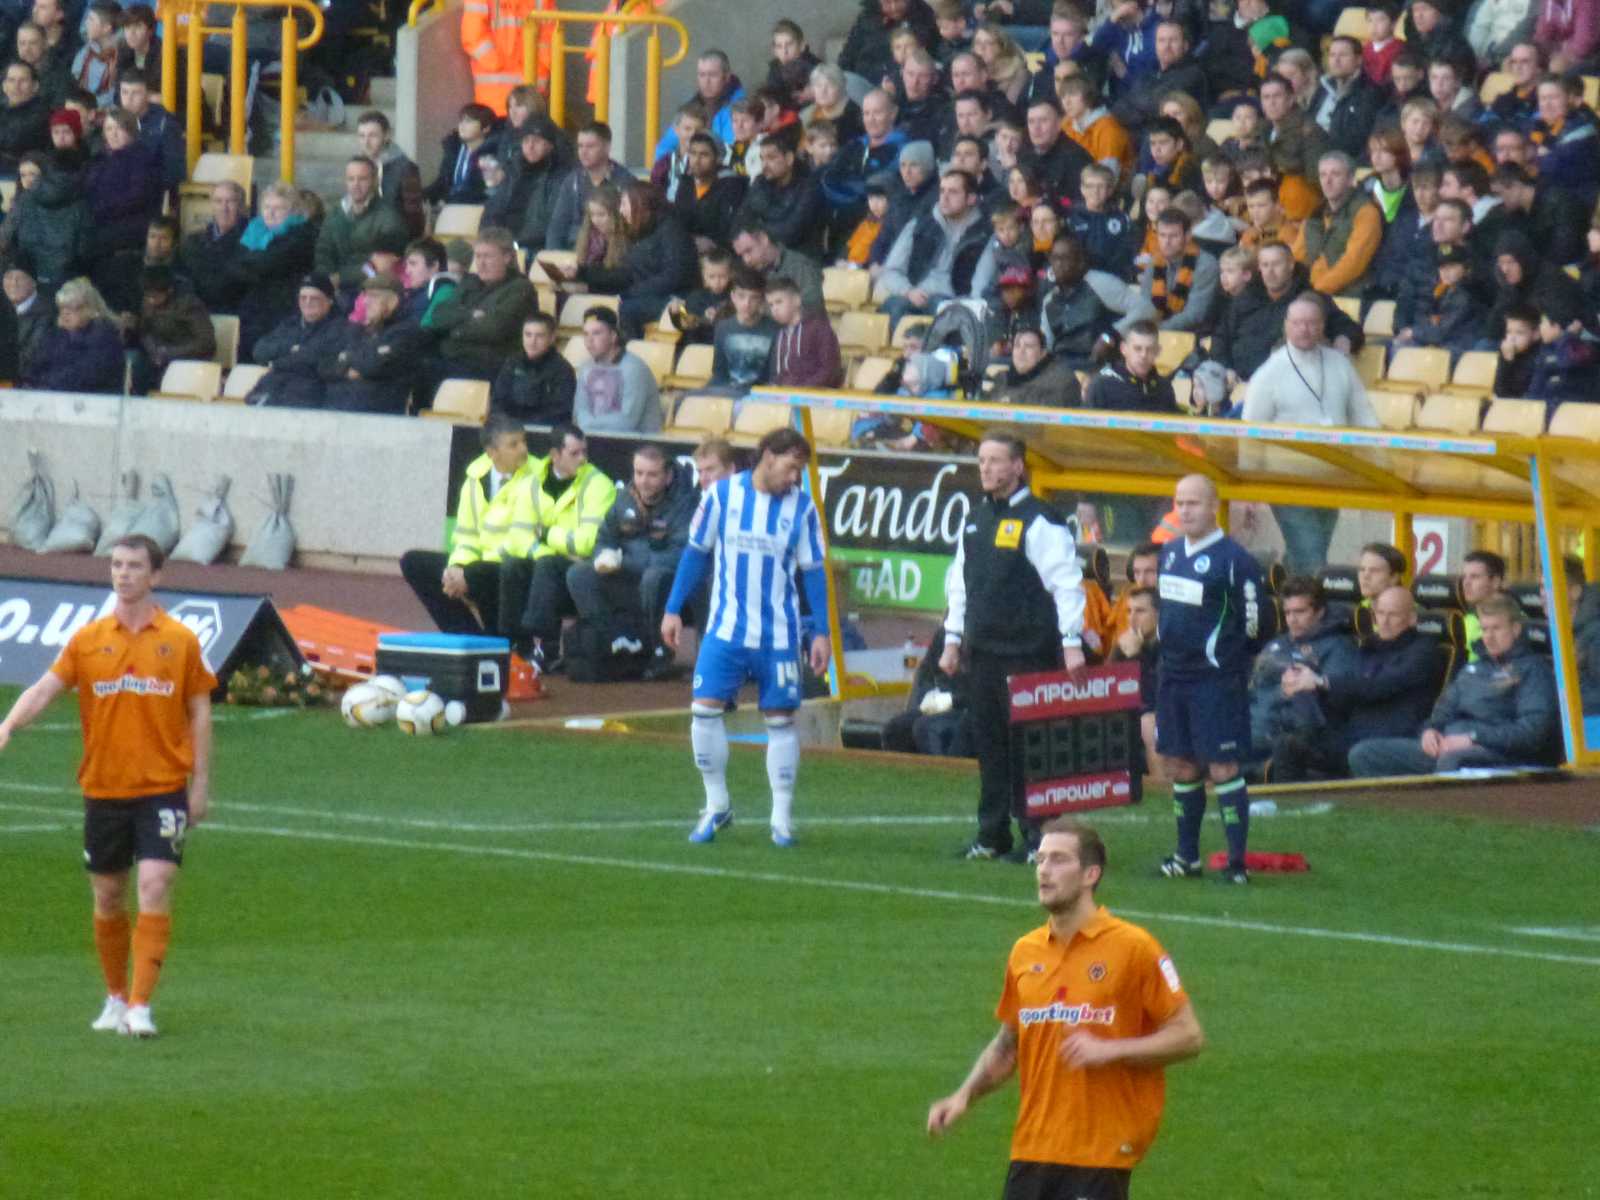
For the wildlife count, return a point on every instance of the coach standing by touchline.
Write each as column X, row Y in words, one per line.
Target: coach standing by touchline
column 1014, row 598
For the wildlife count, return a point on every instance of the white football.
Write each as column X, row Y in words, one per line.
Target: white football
column 390, row 685
column 366, row 707
column 421, row 714
column 455, row 712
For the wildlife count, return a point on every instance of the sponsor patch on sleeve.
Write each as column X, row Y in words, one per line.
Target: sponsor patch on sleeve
column 1170, row 973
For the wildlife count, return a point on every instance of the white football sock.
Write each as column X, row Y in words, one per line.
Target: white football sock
column 783, row 763
column 709, row 738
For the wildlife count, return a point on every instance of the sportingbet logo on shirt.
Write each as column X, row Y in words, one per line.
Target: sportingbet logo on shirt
column 1057, row 1013
column 133, row 685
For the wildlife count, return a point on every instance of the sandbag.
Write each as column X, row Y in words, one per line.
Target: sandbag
column 34, row 511
column 76, row 529
column 212, row 529
column 272, row 545
column 122, row 516
column 158, row 519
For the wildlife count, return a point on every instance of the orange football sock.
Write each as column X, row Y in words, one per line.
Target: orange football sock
column 150, row 935
column 111, row 944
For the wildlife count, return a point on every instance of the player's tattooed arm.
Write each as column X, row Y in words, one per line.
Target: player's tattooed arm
column 994, row 1066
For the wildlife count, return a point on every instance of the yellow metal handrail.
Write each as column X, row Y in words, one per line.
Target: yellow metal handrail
column 601, row 46
column 602, row 60
column 189, row 14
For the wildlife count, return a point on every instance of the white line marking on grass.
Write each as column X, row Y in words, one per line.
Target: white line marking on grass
column 887, row 889
column 219, row 718
column 1569, row 933
column 53, row 827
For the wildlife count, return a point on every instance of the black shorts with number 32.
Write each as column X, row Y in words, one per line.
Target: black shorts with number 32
column 116, row 833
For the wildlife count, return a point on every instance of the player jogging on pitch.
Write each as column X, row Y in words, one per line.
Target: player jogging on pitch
column 761, row 527
column 1091, row 1012
column 144, row 697
column 1210, row 631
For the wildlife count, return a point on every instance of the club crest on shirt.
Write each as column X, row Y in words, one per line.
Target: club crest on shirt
column 164, row 650
column 1037, row 968
column 1202, row 564
column 1008, row 534
column 1097, row 972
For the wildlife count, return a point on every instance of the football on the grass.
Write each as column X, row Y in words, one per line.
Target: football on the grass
column 366, row 706
column 390, row 685
column 421, row 714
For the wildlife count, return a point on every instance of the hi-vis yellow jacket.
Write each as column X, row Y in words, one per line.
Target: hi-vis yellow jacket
column 569, row 526
column 490, row 530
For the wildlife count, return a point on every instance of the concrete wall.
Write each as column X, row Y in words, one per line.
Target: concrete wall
column 432, row 82
column 365, row 487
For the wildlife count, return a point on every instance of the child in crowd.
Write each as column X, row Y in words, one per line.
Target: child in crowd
column 94, row 67
column 1004, row 251
column 1044, row 224
column 697, row 313
column 1377, row 56
column 1519, row 351
column 1171, row 165
column 673, row 166
column 1565, row 368
column 1017, row 308
column 955, row 31
column 1024, row 188
column 1248, row 131
column 459, row 181
column 745, row 115
column 822, row 142
column 789, row 72
column 1223, row 188
column 1453, row 316
column 1156, row 200
column 743, row 340
column 1105, row 230
column 1265, row 220
column 858, row 249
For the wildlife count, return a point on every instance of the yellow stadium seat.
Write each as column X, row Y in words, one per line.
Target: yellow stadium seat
column 227, row 333
column 1352, row 22
column 575, row 352
column 844, row 288
column 1451, row 414
column 458, row 221
column 563, row 260
column 1172, row 347
column 1379, row 325
column 870, row 372
column 1495, row 84
column 861, row 333
column 693, row 369
column 831, row 426
column 910, row 327
column 462, row 401
column 1183, row 393
column 8, row 192
column 664, row 330
column 191, row 379
column 212, row 89
column 1576, row 419
column 703, row 414
column 577, row 304
column 549, row 299
column 1591, row 90
column 1369, row 362
column 1474, row 374
column 1525, row 417
column 241, row 379
column 1425, row 366
column 759, row 417
column 657, row 356
column 1220, row 129
column 1395, row 410
column 210, row 169
column 1350, row 306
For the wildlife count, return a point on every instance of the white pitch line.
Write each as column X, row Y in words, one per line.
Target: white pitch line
column 889, row 889
column 218, row 718
column 1569, row 933
column 53, row 827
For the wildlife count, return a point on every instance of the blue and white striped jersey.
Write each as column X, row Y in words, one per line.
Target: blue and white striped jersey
column 760, row 542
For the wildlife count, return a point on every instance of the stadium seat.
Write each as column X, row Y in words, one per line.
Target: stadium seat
column 910, row 327
column 657, row 356
column 1340, row 584
column 1474, row 374
column 703, row 415
column 575, row 352
column 1096, row 565
column 1172, row 347
column 462, row 401
column 191, row 379
column 1576, row 419
column 1495, row 84
column 212, row 90
column 1450, row 414
column 1379, row 325
column 1395, row 410
column 1531, row 597
column 212, row 169
column 1350, row 306
column 759, row 417
column 1525, row 417
column 693, row 369
column 1182, row 393
column 844, row 288
column 1369, row 363
column 664, row 330
column 1591, row 90
column 564, row 260
column 458, row 221
column 1352, row 23
column 227, row 333
column 549, row 298
column 1220, row 129
column 1437, row 591
column 1448, row 626
column 8, row 192
column 1427, row 367
column 870, row 373
column 861, row 333
column 571, row 319
column 240, row 380
column 831, row 426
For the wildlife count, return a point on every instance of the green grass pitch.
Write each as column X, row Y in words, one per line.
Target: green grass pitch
column 490, row 965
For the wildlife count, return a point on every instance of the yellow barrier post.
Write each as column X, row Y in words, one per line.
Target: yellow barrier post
column 1405, row 537
column 530, row 52
column 192, row 108
column 652, row 91
column 169, row 57
column 289, row 102
column 239, row 68
column 558, row 75
column 602, row 75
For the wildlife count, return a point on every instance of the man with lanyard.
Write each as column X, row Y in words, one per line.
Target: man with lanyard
column 1014, row 600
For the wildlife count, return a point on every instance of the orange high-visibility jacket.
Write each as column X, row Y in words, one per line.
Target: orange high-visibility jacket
column 491, row 34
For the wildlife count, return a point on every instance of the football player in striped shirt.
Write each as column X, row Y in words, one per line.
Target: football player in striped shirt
column 755, row 531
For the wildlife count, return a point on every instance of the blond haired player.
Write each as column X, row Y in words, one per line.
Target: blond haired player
column 1091, row 1013
column 144, row 696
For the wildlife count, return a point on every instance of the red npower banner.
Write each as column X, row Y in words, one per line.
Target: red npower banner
column 1039, row 697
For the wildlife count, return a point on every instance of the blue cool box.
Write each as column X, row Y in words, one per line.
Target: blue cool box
column 466, row 667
